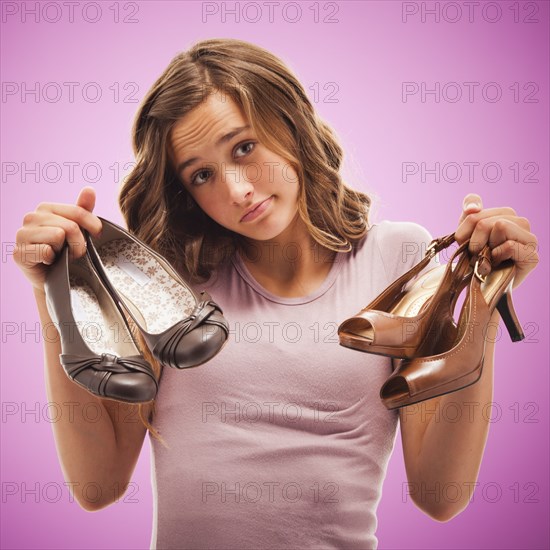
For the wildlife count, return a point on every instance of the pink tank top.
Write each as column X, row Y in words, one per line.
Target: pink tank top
column 281, row 440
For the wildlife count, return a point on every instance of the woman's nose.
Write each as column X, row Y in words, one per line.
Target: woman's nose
column 238, row 186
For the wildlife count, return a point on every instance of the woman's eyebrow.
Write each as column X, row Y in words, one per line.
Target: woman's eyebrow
column 225, row 138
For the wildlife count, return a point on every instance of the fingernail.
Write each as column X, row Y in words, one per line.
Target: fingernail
column 471, row 205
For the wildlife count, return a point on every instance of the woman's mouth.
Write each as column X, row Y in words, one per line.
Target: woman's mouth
column 258, row 211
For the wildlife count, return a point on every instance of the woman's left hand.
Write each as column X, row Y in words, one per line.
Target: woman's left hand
column 507, row 234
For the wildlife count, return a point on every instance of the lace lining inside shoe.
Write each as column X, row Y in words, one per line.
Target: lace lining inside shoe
column 157, row 300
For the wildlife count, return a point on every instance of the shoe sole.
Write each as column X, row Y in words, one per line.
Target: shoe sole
column 471, row 378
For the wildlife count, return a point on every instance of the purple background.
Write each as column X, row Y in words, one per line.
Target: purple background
column 359, row 61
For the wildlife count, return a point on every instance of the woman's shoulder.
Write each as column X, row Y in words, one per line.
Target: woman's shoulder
column 389, row 233
column 390, row 236
column 397, row 245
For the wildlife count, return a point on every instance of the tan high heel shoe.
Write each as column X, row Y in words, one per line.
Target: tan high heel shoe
column 396, row 323
column 458, row 363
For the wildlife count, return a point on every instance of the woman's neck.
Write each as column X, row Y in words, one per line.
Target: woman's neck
column 291, row 264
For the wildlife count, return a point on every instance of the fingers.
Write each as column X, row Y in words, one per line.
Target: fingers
column 46, row 229
column 509, row 239
column 470, row 221
column 75, row 213
column 495, row 230
column 523, row 252
column 86, row 198
column 34, row 246
column 29, row 255
column 471, row 203
column 51, row 231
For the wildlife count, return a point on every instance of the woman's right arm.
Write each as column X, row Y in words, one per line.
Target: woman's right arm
column 98, row 440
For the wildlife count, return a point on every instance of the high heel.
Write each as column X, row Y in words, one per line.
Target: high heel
column 505, row 307
column 181, row 327
column 106, row 363
column 396, row 323
column 458, row 363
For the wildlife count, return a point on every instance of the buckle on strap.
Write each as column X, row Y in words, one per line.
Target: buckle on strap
column 430, row 251
column 483, row 255
column 437, row 243
column 478, row 274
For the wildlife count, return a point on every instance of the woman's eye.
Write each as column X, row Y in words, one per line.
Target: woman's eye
column 244, row 145
column 196, row 180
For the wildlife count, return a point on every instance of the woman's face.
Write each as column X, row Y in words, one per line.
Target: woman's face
column 227, row 171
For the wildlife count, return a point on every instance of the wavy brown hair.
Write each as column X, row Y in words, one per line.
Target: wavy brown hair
column 153, row 200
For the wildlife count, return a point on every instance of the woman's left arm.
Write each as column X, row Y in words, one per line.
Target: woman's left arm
column 444, row 437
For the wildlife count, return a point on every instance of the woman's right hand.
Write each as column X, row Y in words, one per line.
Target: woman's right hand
column 45, row 230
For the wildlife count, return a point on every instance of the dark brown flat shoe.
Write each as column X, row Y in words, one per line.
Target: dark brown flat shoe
column 181, row 327
column 98, row 351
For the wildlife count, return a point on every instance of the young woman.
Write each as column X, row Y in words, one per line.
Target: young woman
column 280, row 440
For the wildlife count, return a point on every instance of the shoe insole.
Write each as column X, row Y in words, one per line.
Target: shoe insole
column 96, row 317
column 154, row 297
column 414, row 300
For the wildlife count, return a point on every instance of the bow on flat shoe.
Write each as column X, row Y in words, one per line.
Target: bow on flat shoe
column 181, row 327
column 98, row 351
column 457, row 363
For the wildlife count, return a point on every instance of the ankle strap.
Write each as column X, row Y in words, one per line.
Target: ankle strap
column 439, row 244
column 382, row 300
column 463, row 269
column 435, row 246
